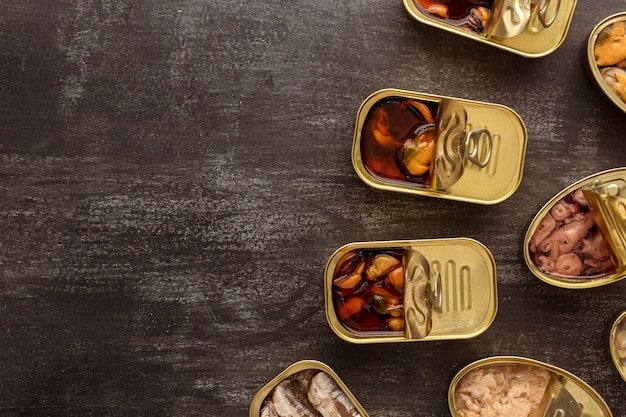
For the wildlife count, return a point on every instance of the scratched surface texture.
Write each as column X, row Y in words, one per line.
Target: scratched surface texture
column 175, row 175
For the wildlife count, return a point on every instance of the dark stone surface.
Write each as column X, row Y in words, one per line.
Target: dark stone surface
column 175, row 175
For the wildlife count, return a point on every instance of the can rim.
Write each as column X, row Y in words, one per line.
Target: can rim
column 621, row 369
column 593, row 67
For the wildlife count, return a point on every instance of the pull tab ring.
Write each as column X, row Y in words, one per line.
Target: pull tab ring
column 543, row 10
column 472, row 142
column 436, row 293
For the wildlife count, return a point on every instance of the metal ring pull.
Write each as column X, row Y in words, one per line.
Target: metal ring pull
column 543, row 10
column 472, row 145
column 436, row 293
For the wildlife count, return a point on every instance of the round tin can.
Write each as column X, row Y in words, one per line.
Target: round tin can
column 439, row 146
column 522, row 383
column 410, row 290
column 577, row 240
column 605, row 59
column 531, row 29
column 306, row 384
column 617, row 344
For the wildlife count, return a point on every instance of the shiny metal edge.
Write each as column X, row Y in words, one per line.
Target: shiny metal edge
column 526, row 361
column 563, row 282
column 416, row 14
column 345, row 334
column 590, row 63
column 371, row 181
column 257, row 401
column 612, row 348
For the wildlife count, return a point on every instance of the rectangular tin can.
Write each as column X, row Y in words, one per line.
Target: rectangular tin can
column 605, row 72
column 488, row 169
column 446, row 289
column 564, row 394
column 301, row 373
column 577, row 240
column 524, row 27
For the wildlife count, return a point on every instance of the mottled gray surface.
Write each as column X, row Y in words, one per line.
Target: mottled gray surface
column 175, row 175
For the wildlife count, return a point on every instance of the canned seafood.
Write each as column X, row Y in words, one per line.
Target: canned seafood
column 578, row 239
column 410, row 290
column 517, row 386
column 605, row 59
column 617, row 344
column 531, row 28
column 439, row 146
column 306, row 388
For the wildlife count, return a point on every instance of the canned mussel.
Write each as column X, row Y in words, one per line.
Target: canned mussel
column 605, row 60
column 617, row 344
column 521, row 387
column 531, row 28
column 578, row 239
column 306, row 389
column 410, row 290
column 439, row 146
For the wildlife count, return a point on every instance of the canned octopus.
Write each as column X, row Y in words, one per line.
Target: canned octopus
column 567, row 242
column 308, row 393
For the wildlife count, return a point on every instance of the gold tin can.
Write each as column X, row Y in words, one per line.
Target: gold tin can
column 410, row 290
column 605, row 59
column 542, row 388
column 439, row 146
column 323, row 389
column 617, row 344
column 578, row 239
column 525, row 27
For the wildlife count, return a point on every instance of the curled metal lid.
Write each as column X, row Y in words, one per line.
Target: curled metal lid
column 455, row 144
column 510, row 18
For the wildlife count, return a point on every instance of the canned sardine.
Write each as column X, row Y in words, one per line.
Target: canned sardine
column 577, row 240
column 410, row 290
column 306, row 388
column 617, row 344
column 521, row 387
column 439, row 146
column 525, row 27
column 605, row 60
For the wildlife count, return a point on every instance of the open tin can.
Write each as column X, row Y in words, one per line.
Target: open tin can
column 617, row 344
column 410, row 290
column 306, row 388
column 605, row 59
column 439, row 146
column 578, row 239
column 511, row 384
column 531, row 28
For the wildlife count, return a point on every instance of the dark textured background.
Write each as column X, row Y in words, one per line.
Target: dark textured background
column 175, row 175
